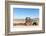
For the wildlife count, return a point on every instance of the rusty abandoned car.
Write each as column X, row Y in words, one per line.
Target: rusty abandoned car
column 28, row 21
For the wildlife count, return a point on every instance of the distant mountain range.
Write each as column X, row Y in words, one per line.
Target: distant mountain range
column 24, row 19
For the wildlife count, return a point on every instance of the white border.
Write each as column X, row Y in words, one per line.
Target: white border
column 28, row 28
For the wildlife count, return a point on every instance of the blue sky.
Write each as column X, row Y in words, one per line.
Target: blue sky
column 22, row 13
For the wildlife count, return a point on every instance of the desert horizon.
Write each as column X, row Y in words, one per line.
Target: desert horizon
column 22, row 21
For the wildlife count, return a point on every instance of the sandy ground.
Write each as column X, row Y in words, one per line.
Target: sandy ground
column 20, row 22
